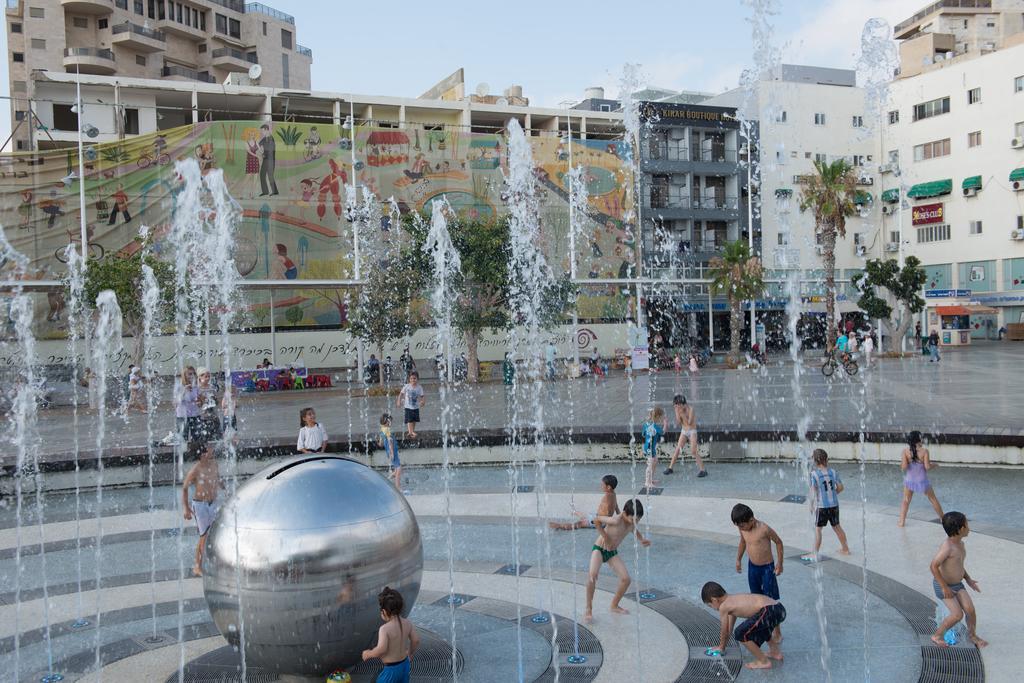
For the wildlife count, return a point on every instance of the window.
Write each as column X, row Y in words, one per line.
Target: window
column 858, row 160
column 19, row 86
column 16, row 28
column 285, row 78
column 19, row 116
column 64, row 118
column 286, row 39
column 131, row 121
column 858, row 121
column 138, row 6
column 604, row 107
column 221, row 22
column 202, row 21
column 252, row 57
column 21, row 145
column 1018, row 83
column 37, row 12
column 79, row 22
column 858, row 238
column 894, row 236
column 780, row 156
column 17, row 57
column 783, row 239
column 38, row 44
column 807, row 155
column 102, row 23
column 234, row 28
column 931, row 150
column 975, row 227
column 926, row 110
column 151, row 9
column 264, row 28
column 894, row 157
column 1018, row 128
column 819, row 119
column 823, row 158
column 933, row 233
column 780, row 117
column 140, row 60
column 974, row 96
column 201, row 48
column 894, row 116
column 974, row 139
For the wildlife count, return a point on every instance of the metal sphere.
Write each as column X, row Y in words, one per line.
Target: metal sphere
column 304, row 547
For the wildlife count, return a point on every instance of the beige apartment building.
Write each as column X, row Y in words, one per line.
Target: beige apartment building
column 198, row 41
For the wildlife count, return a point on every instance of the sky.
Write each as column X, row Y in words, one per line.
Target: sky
column 556, row 49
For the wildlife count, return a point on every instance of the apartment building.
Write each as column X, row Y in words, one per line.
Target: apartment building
column 197, row 41
column 953, row 178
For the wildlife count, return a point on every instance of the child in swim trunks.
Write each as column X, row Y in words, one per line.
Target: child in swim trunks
column 756, row 539
column 392, row 639
column 761, row 614
column 949, row 576
column 205, row 476
column 389, row 443
column 605, row 551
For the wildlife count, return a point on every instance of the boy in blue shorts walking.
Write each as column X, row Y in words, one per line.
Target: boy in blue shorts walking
column 756, row 539
column 825, row 489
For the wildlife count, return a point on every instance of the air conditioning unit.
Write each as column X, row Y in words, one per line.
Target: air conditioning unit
column 1017, row 143
column 1017, row 234
column 860, row 250
column 820, row 248
column 888, row 210
column 887, row 168
column 892, row 246
column 970, row 192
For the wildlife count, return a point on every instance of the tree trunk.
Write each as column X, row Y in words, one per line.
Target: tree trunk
column 735, row 323
column 906, row 321
column 829, row 259
column 472, row 356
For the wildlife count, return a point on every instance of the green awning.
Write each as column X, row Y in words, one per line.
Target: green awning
column 1017, row 174
column 973, row 183
column 862, row 197
column 932, row 189
column 891, row 196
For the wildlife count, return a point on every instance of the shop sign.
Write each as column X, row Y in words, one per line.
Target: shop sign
column 928, row 213
column 946, row 293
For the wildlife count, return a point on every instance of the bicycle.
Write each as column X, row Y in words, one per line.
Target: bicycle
column 847, row 361
column 96, row 250
column 146, row 160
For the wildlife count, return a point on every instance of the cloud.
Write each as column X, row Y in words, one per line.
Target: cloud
column 831, row 34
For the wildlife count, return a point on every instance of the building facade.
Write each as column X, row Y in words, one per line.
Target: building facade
column 197, row 41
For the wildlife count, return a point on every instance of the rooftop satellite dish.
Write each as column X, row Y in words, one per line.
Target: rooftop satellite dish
column 501, row 101
column 255, row 71
column 482, row 89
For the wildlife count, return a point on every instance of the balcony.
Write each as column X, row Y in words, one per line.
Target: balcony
column 181, row 73
column 14, row 7
column 174, row 28
column 260, row 8
column 666, row 152
column 138, row 38
column 236, row 5
column 304, row 51
column 88, row 6
column 89, row 60
column 230, row 59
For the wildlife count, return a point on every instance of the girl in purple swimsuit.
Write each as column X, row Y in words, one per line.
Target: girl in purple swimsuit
column 915, row 463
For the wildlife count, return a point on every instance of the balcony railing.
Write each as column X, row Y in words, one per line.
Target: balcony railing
column 942, row 4
column 719, row 155
column 260, row 8
column 101, row 53
column 303, row 50
column 187, row 73
column 668, row 199
column 236, row 5
column 681, row 200
column 715, row 203
column 139, row 30
column 227, row 52
column 667, row 152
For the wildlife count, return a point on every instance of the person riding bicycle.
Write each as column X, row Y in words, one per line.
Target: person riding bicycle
column 313, row 143
column 158, row 146
column 842, row 347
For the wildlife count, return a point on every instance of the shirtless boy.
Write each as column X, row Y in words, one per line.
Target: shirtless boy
column 949, row 576
column 756, row 540
column 762, row 616
column 686, row 418
column 616, row 527
column 397, row 639
column 608, row 506
column 205, row 476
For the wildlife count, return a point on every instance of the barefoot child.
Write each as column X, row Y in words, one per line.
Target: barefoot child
column 389, row 443
column 397, row 639
column 915, row 463
column 205, row 476
column 410, row 398
column 825, row 489
column 652, row 430
column 949, row 576
column 686, row 418
column 605, row 550
column 608, row 506
column 762, row 616
column 312, row 435
column 756, row 540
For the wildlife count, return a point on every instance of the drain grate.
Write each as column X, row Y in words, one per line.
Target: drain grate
column 433, row 660
column 458, row 600
column 794, row 498
column 700, row 630
column 952, row 664
column 510, row 569
column 653, row 491
column 524, row 488
column 707, row 670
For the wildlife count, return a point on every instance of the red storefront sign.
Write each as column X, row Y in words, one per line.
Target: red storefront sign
column 928, row 213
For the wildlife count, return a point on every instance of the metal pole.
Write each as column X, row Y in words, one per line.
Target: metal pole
column 273, row 332
column 750, row 225
column 360, row 352
column 711, row 321
column 83, row 227
column 572, row 249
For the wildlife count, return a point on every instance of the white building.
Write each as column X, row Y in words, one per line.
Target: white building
column 954, row 144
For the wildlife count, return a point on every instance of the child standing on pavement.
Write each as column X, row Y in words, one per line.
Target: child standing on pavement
column 825, row 489
column 397, row 639
column 410, row 398
column 915, row 462
column 612, row 530
column 205, row 476
column 389, row 443
column 948, row 578
column 756, row 540
column 312, row 435
column 652, row 431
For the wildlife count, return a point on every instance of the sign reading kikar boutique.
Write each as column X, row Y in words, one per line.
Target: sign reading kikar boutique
column 928, row 213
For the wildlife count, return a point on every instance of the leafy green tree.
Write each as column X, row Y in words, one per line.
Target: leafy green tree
column 738, row 275
column 385, row 309
column 294, row 315
column 885, row 288
column 123, row 276
column 830, row 194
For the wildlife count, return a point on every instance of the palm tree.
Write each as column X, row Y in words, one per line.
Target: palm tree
column 737, row 274
column 830, row 195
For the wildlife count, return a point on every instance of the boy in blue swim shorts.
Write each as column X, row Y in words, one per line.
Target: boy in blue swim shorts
column 397, row 639
column 389, row 443
column 756, row 539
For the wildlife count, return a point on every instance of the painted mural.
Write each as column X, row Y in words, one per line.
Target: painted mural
column 290, row 180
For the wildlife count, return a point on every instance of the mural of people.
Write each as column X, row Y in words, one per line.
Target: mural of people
column 251, row 138
column 204, row 155
column 283, row 267
column 306, row 191
column 120, row 202
column 420, row 166
column 269, row 161
column 53, row 207
column 25, row 209
column 313, row 143
column 331, row 184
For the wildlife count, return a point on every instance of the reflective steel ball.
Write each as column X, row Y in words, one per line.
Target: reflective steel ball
column 295, row 559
